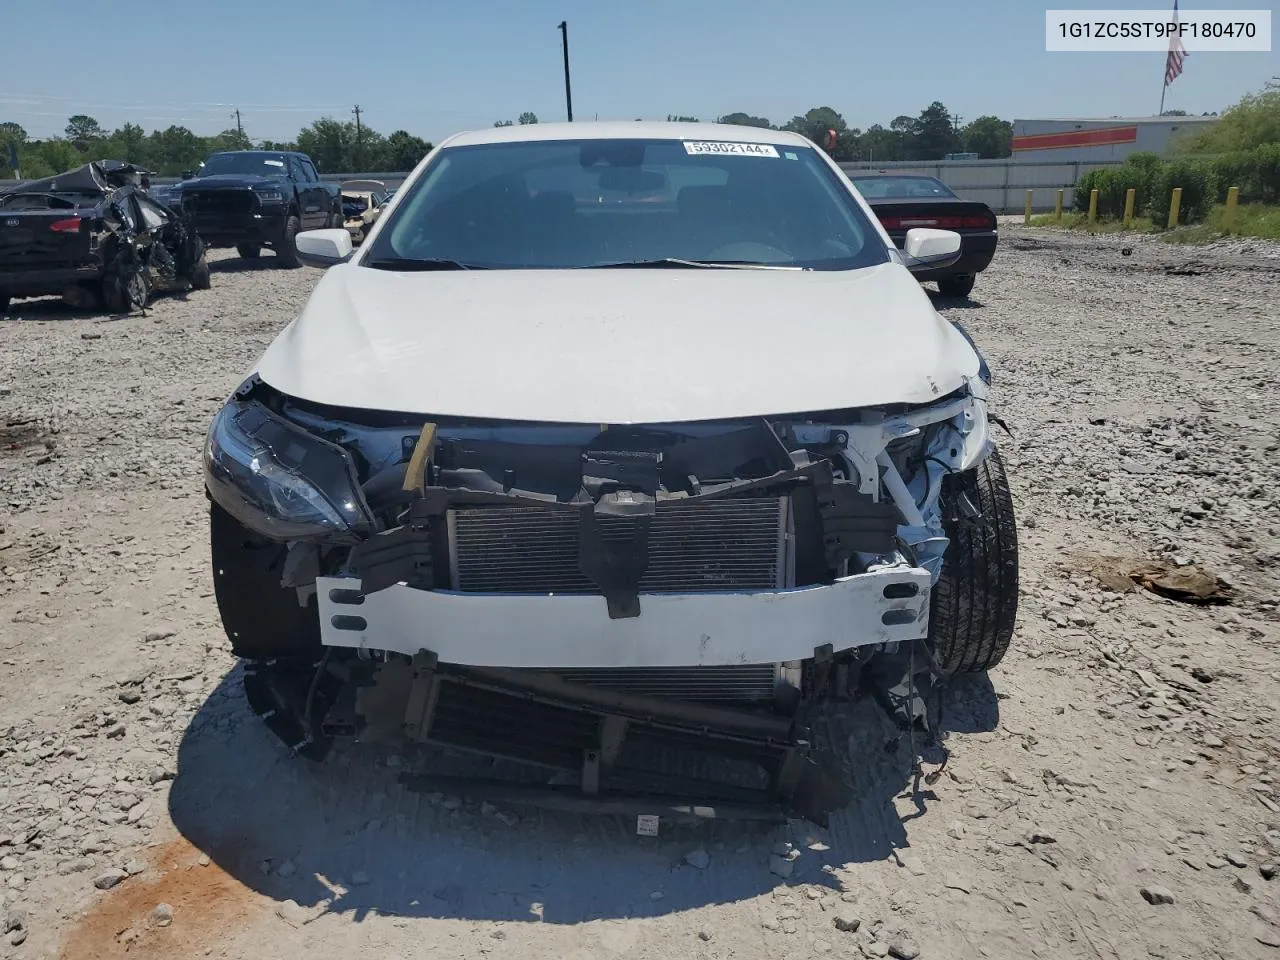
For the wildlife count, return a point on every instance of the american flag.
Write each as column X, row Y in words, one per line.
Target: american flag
column 1177, row 53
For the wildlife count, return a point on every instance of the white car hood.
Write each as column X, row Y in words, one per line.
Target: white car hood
column 617, row 346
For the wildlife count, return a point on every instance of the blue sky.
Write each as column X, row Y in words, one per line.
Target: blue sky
column 434, row 68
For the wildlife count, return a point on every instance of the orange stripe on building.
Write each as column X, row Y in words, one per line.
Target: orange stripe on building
column 1100, row 137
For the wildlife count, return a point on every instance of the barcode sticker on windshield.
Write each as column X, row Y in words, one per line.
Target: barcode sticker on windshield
column 692, row 147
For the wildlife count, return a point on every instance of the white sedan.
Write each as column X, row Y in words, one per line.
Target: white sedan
column 612, row 434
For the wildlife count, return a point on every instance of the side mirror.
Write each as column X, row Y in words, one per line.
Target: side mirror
column 323, row 248
column 927, row 249
column 187, row 174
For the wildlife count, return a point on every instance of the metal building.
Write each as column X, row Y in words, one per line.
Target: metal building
column 1084, row 140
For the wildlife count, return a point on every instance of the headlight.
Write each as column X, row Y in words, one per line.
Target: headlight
column 280, row 480
column 269, row 196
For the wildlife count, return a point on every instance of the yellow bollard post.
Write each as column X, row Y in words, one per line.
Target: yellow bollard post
column 1026, row 213
column 1233, row 198
column 1130, row 195
column 1057, row 207
column 1174, row 204
column 1093, row 207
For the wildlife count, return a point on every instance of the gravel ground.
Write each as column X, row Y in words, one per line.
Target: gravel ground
column 1112, row 790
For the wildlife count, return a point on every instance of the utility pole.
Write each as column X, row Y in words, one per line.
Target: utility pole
column 568, row 93
column 359, row 136
column 239, row 126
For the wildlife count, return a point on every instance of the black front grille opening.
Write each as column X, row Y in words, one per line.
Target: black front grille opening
column 752, row 683
column 900, row 591
column 892, row 618
column 472, row 718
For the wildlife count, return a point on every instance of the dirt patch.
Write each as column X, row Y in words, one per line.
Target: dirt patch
column 206, row 902
column 1186, row 584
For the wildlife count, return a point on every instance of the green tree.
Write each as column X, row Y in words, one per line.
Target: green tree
column 231, row 139
column 403, row 151
column 10, row 134
column 677, row 118
column 49, row 157
column 83, row 130
column 879, row 143
column 907, row 130
column 129, row 142
column 527, row 118
column 176, row 149
column 1250, row 123
column 745, row 120
column 503, row 123
column 330, row 143
column 815, row 124
column 935, row 133
column 989, row 137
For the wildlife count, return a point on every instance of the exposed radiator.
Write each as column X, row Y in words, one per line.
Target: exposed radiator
column 694, row 546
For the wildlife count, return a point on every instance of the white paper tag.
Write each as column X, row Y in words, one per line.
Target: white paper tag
column 274, row 163
column 692, row 147
column 646, row 825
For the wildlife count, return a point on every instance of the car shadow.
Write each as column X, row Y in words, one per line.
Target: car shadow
column 943, row 302
column 346, row 836
column 241, row 265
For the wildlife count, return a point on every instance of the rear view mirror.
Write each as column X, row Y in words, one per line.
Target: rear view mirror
column 323, row 248
column 631, row 180
column 187, row 174
column 928, row 249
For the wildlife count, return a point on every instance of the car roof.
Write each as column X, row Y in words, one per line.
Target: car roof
column 258, row 153
column 622, row 130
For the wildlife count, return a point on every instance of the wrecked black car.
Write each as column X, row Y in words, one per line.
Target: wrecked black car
column 95, row 236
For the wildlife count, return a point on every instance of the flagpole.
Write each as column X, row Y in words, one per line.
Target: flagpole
column 1163, row 90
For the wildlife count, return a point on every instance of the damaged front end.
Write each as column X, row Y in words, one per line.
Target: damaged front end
column 592, row 601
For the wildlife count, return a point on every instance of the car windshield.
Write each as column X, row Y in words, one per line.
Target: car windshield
column 895, row 187
column 661, row 202
column 259, row 164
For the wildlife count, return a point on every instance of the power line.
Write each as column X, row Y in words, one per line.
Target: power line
column 568, row 92
column 359, row 143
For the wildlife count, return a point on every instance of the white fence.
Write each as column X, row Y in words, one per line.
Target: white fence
column 1000, row 184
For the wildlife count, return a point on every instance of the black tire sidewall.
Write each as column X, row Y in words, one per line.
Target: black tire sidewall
column 287, row 249
column 960, row 285
column 201, row 278
column 974, row 604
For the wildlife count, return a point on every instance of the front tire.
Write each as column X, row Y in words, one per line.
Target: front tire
column 127, row 286
column 960, row 285
column 287, row 246
column 4, row 304
column 975, row 602
column 248, row 251
column 201, row 279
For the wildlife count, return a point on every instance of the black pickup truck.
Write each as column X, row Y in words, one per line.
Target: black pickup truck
column 250, row 199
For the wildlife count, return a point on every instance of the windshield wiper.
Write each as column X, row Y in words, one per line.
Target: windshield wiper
column 411, row 263
column 677, row 263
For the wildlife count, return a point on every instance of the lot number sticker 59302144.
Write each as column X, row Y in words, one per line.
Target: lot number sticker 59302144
column 734, row 149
